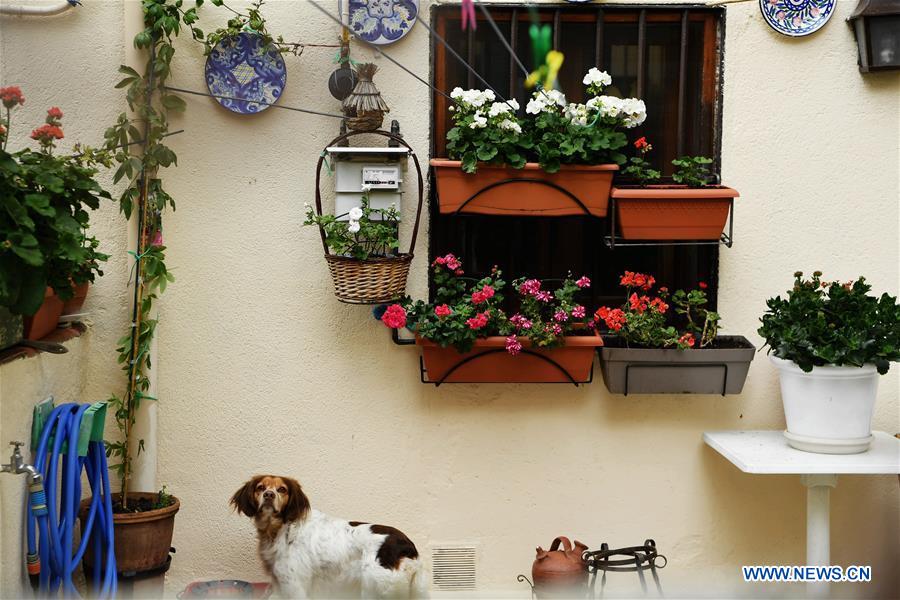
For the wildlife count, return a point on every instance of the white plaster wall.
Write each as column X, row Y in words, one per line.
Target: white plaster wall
column 69, row 61
column 261, row 370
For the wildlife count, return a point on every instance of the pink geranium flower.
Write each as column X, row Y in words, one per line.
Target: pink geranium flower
column 513, row 345
column 394, row 317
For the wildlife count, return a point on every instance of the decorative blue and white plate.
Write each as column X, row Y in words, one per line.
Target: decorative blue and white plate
column 382, row 22
column 796, row 17
column 246, row 72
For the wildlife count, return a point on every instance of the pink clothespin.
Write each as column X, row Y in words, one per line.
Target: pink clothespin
column 468, row 15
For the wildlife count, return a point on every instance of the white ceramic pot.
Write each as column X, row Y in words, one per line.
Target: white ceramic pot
column 828, row 410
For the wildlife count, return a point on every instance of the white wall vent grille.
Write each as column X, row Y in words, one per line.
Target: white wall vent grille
column 453, row 568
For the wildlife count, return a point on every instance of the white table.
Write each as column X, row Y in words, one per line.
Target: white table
column 767, row 452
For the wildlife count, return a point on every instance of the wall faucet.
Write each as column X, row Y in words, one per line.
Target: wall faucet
column 18, row 465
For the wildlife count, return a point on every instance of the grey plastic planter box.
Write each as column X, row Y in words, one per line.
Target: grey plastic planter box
column 672, row 371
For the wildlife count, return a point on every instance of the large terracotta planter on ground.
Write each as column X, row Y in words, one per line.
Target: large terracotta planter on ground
column 74, row 304
column 718, row 370
column 660, row 212
column 502, row 190
column 489, row 362
column 44, row 321
column 143, row 539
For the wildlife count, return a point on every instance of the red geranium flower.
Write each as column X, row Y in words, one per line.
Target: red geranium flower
column 641, row 143
column 443, row 310
column 702, row 285
column 55, row 113
column 11, row 96
column 394, row 317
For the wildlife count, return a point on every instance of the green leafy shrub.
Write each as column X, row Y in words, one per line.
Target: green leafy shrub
column 693, row 171
column 44, row 216
column 821, row 323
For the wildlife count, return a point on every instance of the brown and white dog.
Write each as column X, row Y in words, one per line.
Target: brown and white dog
column 310, row 554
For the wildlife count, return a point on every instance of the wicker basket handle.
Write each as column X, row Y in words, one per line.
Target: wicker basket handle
column 387, row 134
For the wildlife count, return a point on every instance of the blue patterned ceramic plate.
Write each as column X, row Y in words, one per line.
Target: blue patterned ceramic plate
column 247, row 72
column 796, row 17
column 382, row 22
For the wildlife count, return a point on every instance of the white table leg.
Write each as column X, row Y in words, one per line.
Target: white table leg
column 818, row 536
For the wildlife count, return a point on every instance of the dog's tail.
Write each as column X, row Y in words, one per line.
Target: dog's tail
column 418, row 580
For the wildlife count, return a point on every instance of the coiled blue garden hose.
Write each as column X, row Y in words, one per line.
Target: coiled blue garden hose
column 51, row 519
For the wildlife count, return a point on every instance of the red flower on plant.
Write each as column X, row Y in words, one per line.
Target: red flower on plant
column 11, row 96
column 556, row 329
column 687, row 340
column 530, row 287
column 583, row 282
column 702, row 285
column 450, row 261
column 641, row 143
column 54, row 113
column 520, row 321
column 484, row 294
column 659, row 305
column 478, row 321
column 561, row 316
column 46, row 133
column 543, row 296
column 578, row 312
column 615, row 318
column 443, row 310
column 394, row 317
column 638, row 303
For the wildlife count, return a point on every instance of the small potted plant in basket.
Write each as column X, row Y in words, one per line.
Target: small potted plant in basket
column 467, row 336
column 647, row 354
column 363, row 245
column 830, row 342
column 559, row 159
column 691, row 208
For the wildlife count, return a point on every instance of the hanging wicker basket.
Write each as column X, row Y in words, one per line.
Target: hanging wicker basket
column 364, row 107
column 375, row 280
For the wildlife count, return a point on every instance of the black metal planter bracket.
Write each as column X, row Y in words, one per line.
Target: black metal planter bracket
column 612, row 241
column 502, row 182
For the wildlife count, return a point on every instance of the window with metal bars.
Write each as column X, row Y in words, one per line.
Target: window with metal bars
column 669, row 57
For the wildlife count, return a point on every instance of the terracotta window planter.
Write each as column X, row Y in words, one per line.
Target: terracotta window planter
column 670, row 212
column 502, row 190
column 718, row 370
column 489, row 362
column 142, row 540
column 44, row 321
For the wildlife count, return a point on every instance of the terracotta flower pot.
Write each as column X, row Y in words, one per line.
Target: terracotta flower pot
column 489, row 362
column 44, row 321
column 502, row 190
column 142, row 540
column 74, row 304
column 660, row 212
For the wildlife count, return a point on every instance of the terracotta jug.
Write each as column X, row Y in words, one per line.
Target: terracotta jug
column 557, row 569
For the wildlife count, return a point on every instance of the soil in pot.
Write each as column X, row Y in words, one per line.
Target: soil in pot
column 672, row 212
column 505, row 191
column 44, row 321
column 142, row 538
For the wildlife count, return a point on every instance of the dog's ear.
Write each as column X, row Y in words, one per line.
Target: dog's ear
column 297, row 504
column 244, row 500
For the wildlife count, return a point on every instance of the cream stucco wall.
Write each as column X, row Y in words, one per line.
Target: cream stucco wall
column 261, row 370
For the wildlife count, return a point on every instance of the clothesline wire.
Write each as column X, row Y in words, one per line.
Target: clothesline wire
column 463, row 61
column 219, row 96
column 379, row 50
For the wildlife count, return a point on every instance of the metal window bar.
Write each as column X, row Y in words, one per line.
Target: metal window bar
column 642, row 53
column 682, row 81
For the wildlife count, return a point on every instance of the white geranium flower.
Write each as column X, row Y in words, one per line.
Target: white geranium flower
column 353, row 227
column 366, row 187
column 535, row 105
column 457, row 93
column 607, row 106
column 513, row 103
column 479, row 121
column 577, row 114
column 489, row 95
column 498, row 108
column 556, row 97
column 510, row 125
column 634, row 112
column 597, row 77
column 355, row 213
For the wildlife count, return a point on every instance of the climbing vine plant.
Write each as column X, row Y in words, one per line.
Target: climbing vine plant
column 146, row 129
